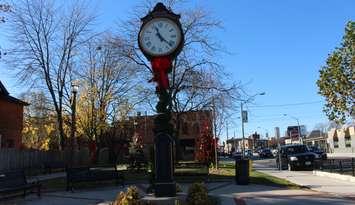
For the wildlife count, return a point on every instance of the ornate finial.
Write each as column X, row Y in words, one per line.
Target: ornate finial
column 160, row 7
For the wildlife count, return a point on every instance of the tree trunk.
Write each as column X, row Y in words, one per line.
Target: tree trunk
column 61, row 130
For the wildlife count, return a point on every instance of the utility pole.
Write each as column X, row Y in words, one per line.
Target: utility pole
column 227, row 136
column 277, row 133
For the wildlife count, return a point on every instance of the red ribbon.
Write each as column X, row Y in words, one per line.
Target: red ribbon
column 161, row 67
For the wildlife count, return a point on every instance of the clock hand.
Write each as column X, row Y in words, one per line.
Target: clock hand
column 161, row 38
column 158, row 34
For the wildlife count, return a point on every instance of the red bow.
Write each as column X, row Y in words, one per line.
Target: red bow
column 161, row 67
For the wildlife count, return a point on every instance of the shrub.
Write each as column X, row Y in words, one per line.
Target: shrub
column 178, row 188
column 197, row 195
column 130, row 197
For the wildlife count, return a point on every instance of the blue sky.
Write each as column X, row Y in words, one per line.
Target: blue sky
column 276, row 46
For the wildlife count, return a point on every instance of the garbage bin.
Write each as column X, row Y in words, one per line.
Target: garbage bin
column 242, row 171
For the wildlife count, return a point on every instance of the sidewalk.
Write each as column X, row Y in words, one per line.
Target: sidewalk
column 266, row 195
column 228, row 193
column 341, row 155
column 308, row 179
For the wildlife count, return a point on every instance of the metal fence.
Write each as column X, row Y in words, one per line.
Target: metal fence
column 341, row 166
column 11, row 159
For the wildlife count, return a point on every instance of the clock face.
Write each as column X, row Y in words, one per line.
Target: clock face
column 160, row 37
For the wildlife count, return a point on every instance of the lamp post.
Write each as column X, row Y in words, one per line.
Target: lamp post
column 214, row 131
column 75, row 88
column 244, row 117
column 298, row 127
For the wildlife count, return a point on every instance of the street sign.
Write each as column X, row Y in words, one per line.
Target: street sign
column 245, row 116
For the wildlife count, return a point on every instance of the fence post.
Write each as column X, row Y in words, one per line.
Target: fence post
column 352, row 165
column 341, row 167
column 331, row 165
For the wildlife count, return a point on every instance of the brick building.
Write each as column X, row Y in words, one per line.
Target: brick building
column 11, row 119
column 191, row 125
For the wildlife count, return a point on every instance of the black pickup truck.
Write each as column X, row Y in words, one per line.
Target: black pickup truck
column 296, row 157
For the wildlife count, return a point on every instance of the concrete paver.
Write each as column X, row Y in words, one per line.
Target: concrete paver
column 265, row 195
column 228, row 192
column 81, row 197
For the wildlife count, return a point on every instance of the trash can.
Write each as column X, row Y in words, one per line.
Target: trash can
column 242, row 171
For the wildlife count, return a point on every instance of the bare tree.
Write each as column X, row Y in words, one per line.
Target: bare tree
column 110, row 89
column 4, row 8
column 196, row 78
column 46, row 38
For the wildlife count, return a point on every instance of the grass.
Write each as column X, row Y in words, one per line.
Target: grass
column 225, row 171
column 268, row 180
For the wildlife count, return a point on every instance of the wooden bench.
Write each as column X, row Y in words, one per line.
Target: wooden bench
column 50, row 166
column 93, row 174
column 137, row 163
column 15, row 181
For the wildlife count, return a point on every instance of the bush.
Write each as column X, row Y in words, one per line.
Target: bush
column 130, row 197
column 178, row 188
column 197, row 195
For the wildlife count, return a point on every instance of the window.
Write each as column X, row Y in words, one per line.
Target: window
column 185, row 128
column 336, row 142
column 196, row 129
column 347, row 141
column 10, row 143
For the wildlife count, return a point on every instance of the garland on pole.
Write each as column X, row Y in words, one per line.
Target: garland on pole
column 205, row 145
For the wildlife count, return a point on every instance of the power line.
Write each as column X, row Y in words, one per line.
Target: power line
column 285, row 105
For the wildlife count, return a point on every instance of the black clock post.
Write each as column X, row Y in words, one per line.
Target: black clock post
column 164, row 183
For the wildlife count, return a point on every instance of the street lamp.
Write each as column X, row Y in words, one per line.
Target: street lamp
column 214, row 131
column 298, row 127
column 75, row 88
column 244, row 118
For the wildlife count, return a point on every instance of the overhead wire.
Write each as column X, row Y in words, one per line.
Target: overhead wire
column 285, row 105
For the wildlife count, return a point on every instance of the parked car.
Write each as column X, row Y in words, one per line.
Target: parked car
column 321, row 154
column 237, row 155
column 265, row 153
column 275, row 152
column 248, row 153
column 296, row 156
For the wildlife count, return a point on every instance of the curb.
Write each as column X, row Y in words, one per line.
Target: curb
column 334, row 176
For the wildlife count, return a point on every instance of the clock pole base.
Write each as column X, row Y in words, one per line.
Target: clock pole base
column 165, row 189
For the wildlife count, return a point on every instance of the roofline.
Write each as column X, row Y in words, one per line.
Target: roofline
column 2, row 87
column 14, row 100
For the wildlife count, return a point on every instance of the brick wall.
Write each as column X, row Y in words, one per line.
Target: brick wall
column 11, row 123
column 190, row 127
